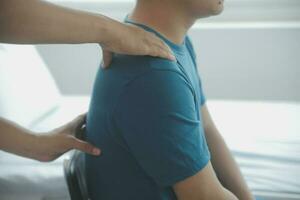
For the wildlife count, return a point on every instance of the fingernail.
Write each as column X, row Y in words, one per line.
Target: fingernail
column 96, row 151
column 172, row 57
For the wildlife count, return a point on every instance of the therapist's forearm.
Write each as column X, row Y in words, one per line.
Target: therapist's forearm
column 225, row 166
column 44, row 146
column 38, row 22
column 17, row 140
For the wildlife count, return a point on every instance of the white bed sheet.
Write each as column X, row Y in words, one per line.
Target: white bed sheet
column 263, row 136
column 265, row 140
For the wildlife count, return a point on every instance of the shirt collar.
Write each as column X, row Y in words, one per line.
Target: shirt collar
column 177, row 48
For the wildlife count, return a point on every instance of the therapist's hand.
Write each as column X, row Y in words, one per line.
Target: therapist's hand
column 62, row 139
column 132, row 40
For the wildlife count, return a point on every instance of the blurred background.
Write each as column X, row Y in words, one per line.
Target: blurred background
column 249, row 62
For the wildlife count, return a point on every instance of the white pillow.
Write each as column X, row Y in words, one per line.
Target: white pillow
column 27, row 89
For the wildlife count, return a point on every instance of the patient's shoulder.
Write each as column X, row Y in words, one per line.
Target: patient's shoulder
column 147, row 72
column 152, row 73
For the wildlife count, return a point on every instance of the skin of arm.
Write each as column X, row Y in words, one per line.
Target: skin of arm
column 221, row 179
column 41, row 22
column 202, row 186
column 43, row 146
column 35, row 21
column 223, row 162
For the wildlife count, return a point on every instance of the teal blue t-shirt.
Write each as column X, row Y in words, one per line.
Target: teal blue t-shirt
column 145, row 116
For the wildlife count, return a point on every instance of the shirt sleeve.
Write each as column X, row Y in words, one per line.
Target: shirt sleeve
column 157, row 117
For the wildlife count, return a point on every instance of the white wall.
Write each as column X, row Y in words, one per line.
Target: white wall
column 249, row 63
column 251, row 51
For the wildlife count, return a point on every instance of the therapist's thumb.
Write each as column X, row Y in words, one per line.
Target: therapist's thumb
column 85, row 147
column 107, row 58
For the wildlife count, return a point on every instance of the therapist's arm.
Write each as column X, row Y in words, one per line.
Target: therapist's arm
column 44, row 146
column 40, row 22
column 222, row 161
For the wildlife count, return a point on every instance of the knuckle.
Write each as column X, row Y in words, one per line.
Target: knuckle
column 88, row 148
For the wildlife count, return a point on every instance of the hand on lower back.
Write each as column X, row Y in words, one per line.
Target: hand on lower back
column 63, row 139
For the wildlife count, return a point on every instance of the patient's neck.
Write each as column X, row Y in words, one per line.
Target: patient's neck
column 168, row 20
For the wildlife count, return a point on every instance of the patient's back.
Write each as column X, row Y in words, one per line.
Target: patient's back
column 116, row 173
column 145, row 116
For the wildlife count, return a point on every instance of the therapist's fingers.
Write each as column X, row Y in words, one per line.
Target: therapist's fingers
column 156, row 47
column 74, row 127
column 73, row 135
column 85, row 147
column 132, row 40
column 148, row 43
column 79, row 127
column 77, row 142
column 107, row 58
